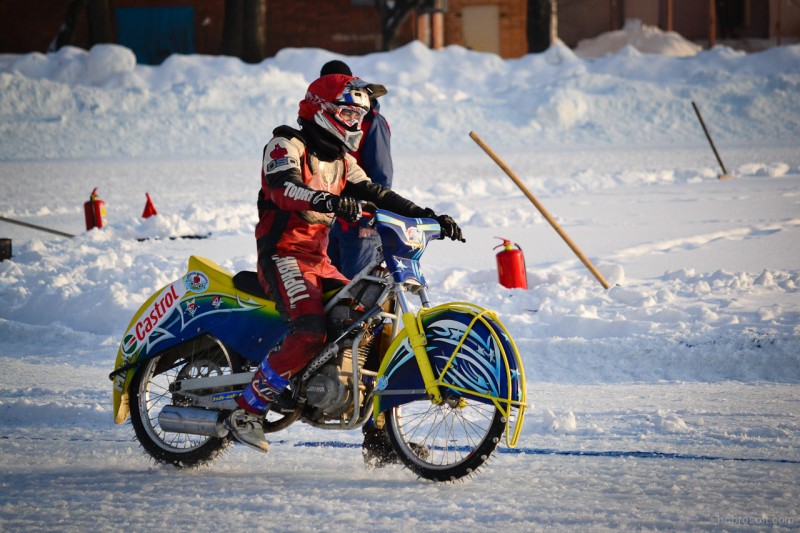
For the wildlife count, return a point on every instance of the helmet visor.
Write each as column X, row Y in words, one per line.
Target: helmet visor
column 350, row 115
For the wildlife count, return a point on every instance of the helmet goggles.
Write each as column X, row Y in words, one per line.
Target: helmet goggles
column 350, row 115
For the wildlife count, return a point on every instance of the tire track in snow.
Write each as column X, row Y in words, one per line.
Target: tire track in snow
column 580, row 453
column 696, row 241
column 505, row 451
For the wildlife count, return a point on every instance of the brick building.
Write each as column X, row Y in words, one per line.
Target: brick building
column 156, row 28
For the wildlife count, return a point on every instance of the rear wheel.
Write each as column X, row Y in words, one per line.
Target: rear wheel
column 444, row 442
column 150, row 393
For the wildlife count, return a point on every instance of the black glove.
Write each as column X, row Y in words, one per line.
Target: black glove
column 343, row 207
column 347, row 208
column 449, row 228
column 324, row 202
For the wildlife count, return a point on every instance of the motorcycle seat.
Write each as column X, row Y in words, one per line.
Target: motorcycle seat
column 247, row 281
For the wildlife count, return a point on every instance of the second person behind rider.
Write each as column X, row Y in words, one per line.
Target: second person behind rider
column 351, row 247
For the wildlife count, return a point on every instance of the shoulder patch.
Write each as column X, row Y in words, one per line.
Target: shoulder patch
column 278, row 152
column 281, row 154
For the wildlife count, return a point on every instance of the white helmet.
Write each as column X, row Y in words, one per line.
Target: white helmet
column 338, row 104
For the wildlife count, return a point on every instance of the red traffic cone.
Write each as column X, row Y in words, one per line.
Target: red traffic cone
column 149, row 208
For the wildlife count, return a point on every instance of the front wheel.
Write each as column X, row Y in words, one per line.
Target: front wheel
column 445, row 442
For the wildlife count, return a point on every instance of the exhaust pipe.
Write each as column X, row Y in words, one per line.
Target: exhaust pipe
column 192, row 420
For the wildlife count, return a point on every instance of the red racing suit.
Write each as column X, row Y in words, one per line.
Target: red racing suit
column 293, row 265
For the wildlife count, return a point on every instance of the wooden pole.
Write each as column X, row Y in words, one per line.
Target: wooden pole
column 669, row 15
column 437, row 30
column 611, row 18
column 424, row 28
column 553, row 21
column 724, row 174
column 541, row 209
column 34, row 226
column 712, row 23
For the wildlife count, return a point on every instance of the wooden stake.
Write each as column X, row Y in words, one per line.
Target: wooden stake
column 724, row 175
column 34, row 226
column 712, row 23
column 541, row 209
column 669, row 15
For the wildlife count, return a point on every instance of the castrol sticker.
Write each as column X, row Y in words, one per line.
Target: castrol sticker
column 153, row 316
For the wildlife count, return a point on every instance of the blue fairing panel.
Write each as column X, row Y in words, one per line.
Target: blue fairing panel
column 470, row 352
column 203, row 302
column 404, row 240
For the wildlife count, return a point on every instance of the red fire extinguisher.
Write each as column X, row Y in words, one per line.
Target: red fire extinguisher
column 94, row 211
column 511, row 265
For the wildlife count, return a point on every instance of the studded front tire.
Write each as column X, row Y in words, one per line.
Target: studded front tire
column 445, row 442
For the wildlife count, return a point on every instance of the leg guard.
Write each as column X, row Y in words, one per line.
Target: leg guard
column 264, row 388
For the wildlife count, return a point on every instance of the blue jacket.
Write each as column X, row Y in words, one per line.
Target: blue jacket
column 375, row 155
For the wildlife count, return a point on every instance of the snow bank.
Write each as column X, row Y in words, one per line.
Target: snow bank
column 221, row 107
column 644, row 38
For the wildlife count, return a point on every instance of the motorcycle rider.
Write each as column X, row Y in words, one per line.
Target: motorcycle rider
column 308, row 177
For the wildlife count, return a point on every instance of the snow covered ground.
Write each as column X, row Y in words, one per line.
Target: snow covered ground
column 670, row 401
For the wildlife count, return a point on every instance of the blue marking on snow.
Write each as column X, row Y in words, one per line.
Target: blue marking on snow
column 580, row 453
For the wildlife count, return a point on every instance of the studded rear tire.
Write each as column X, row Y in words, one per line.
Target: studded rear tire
column 149, row 394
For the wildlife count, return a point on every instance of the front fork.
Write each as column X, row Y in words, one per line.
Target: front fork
column 416, row 337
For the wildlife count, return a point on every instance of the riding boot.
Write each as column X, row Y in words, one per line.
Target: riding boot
column 265, row 386
column 247, row 423
column 248, row 428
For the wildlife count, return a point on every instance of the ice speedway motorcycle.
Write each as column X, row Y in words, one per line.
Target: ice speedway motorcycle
column 444, row 382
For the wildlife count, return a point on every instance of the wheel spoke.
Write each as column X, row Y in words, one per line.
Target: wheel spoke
column 152, row 383
column 457, row 436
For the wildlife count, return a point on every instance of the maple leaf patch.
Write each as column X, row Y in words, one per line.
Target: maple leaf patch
column 278, row 152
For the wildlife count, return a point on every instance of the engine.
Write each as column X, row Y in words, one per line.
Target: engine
column 326, row 391
column 330, row 390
